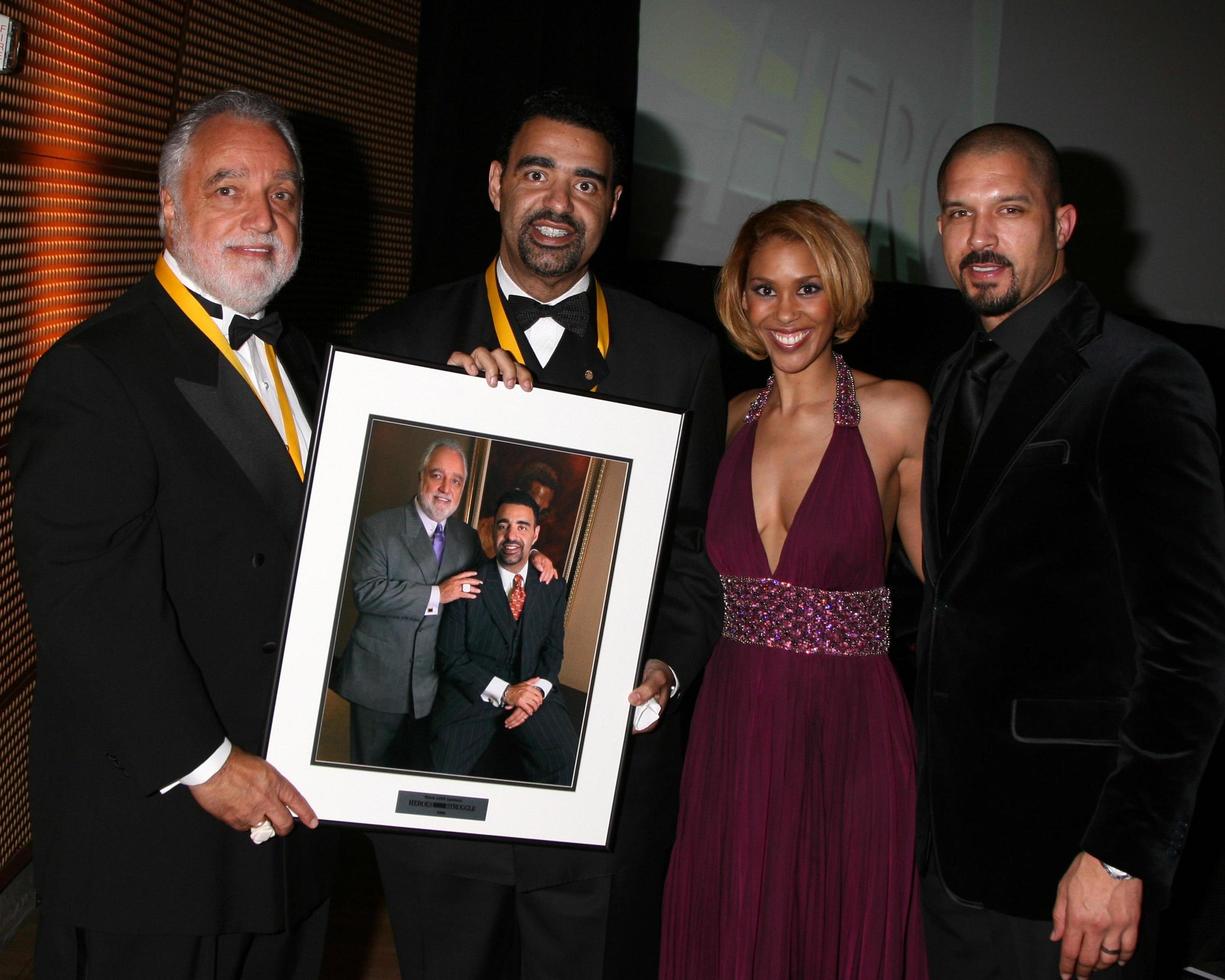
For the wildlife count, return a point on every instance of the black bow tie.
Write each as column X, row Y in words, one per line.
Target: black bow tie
column 241, row 328
column 572, row 313
column 267, row 329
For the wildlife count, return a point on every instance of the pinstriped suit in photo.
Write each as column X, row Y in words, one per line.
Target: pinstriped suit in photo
column 479, row 640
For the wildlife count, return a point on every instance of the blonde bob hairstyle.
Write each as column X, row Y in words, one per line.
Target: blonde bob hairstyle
column 842, row 262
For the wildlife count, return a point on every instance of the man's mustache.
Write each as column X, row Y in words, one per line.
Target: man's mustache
column 557, row 217
column 258, row 238
column 984, row 258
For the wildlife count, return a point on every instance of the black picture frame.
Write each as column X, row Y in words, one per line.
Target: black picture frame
column 620, row 463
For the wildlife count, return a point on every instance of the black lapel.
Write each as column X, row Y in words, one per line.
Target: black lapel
column 530, row 361
column 494, row 598
column 577, row 362
column 297, row 357
column 943, row 396
column 533, row 622
column 229, row 408
column 1042, row 381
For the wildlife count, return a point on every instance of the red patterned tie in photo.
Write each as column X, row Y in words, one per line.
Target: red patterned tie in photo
column 517, row 597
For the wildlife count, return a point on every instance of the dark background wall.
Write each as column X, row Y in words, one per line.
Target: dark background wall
column 1134, row 94
column 474, row 71
column 81, row 125
column 742, row 102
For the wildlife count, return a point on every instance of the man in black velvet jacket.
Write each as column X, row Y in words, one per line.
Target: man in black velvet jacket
column 1072, row 648
column 579, row 913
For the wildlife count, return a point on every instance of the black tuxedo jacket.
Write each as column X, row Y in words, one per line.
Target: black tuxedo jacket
column 156, row 516
column 1072, row 646
column 653, row 356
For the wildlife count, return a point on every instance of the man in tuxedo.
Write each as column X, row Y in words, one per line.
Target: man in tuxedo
column 1072, row 644
column 555, row 183
column 500, row 658
column 408, row 564
column 156, row 458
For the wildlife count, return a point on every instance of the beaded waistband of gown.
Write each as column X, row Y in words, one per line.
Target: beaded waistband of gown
column 767, row 612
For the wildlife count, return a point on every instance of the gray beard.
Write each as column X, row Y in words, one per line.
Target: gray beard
column 205, row 270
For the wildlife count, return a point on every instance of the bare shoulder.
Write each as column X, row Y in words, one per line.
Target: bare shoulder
column 736, row 409
column 894, row 414
column 892, row 402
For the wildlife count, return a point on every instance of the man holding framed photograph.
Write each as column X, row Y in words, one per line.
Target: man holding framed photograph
column 556, row 183
column 157, row 466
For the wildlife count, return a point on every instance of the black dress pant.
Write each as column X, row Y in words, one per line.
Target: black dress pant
column 546, row 744
column 553, row 933
column 601, row 923
column 63, row 951
column 967, row 943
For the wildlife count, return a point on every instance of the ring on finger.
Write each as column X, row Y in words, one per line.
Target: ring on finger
column 1112, row 952
column 465, row 587
column 262, row 831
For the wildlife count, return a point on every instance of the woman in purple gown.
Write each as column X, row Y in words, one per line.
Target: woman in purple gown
column 795, row 848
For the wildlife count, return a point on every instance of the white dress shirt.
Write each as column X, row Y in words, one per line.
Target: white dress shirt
column 544, row 335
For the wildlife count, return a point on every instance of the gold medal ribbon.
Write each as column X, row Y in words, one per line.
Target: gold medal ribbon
column 506, row 336
column 196, row 313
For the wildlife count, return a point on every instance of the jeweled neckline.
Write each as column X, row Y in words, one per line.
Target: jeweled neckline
column 846, row 405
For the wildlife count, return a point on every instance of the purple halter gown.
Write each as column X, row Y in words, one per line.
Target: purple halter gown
column 795, row 847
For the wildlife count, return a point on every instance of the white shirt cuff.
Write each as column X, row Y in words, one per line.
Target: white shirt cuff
column 675, row 682
column 206, row 770
column 495, row 691
column 545, row 686
column 431, row 607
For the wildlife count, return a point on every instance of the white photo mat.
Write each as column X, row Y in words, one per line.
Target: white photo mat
column 360, row 388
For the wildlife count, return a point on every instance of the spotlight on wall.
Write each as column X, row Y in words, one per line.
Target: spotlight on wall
column 11, row 36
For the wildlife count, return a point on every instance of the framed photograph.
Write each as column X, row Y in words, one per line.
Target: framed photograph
column 600, row 473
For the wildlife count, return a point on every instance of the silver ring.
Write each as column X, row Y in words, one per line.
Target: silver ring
column 466, row 587
column 262, row 831
column 1112, row 952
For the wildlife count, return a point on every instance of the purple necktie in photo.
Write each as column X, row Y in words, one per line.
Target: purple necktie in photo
column 440, row 540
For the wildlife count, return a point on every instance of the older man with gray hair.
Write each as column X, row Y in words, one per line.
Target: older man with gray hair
column 157, row 462
column 408, row 562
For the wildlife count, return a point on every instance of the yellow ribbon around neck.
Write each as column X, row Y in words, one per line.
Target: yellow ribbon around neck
column 506, row 336
column 196, row 313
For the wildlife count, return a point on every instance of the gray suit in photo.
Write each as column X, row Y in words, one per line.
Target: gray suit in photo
column 388, row 662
